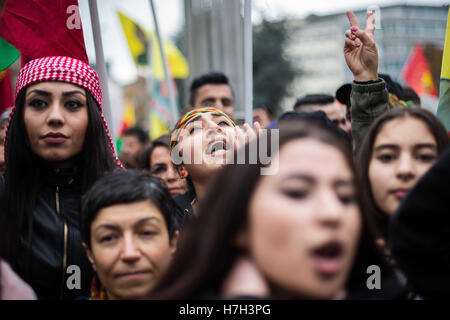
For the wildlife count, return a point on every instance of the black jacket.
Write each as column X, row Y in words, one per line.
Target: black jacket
column 55, row 241
column 184, row 209
column 420, row 230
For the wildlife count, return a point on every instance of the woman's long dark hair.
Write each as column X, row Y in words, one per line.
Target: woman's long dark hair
column 380, row 219
column 1, row 286
column 207, row 247
column 23, row 172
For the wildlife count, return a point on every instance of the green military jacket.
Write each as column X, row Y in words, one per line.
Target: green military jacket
column 368, row 101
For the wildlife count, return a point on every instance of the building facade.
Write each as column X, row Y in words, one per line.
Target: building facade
column 317, row 44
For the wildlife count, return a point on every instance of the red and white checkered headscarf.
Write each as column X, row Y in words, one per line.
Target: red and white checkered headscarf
column 65, row 69
column 61, row 68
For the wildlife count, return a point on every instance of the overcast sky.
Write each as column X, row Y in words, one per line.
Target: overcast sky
column 171, row 20
column 301, row 8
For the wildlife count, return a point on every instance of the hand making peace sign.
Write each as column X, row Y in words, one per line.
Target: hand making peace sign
column 360, row 50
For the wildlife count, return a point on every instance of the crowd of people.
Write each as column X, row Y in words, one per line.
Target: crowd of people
column 342, row 201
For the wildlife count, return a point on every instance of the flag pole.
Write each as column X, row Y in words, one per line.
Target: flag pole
column 248, row 62
column 170, row 88
column 101, row 66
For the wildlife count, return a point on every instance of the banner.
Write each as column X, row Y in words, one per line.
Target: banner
column 443, row 111
column 39, row 28
column 139, row 42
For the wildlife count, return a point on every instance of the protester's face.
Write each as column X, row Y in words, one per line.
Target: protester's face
column 205, row 143
column 131, row 146
column 305, row 221
column 402, row 153
column 262, row 116
column 218, row 96
column 162, row 167
column 337, row 114
column 56, row 118
column 130, row 248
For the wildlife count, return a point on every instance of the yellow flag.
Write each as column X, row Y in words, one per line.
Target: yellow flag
column 445, row 69
column 443, row 111
column 138, row 40
column 178, row 64
column 157, row 126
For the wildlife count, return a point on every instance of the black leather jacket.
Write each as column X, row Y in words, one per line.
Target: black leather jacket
column 184, row 209
column 56, row 240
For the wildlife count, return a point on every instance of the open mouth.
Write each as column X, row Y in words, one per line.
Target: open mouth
column 327, row 259
column 218, row 147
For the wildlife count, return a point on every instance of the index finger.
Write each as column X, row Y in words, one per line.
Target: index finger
column 240, row 137
column 249, row 132
column 370, row 22
column 352, row 19
column 257, row 127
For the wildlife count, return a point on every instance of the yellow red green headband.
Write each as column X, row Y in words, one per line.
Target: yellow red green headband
column 185, row 120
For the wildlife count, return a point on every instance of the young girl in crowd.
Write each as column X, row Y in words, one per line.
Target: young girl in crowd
column 200, row 145
column 57, row 145
column 400, row 147
column 395, row 148
column 129, row 233
column 292, row 234
column 156, row 159
column 419, row 232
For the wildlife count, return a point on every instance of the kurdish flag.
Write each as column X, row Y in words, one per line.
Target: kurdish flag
column 417, row 73
column 139, row 41
column 443, row 111
column 137, row 38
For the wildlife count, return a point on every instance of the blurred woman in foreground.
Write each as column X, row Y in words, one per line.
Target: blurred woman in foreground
column 292, row 234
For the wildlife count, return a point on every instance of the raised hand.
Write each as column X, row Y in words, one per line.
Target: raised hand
column 243, row 137
column 360, row 50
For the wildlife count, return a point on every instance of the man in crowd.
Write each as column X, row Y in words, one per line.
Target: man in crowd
column 325, row 103
column 212, row 89
column 134, row 140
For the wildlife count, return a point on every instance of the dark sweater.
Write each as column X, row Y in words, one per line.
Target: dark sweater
column 420, row 232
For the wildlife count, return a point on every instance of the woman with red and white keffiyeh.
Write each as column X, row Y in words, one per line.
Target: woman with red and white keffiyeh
column 57, row 144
